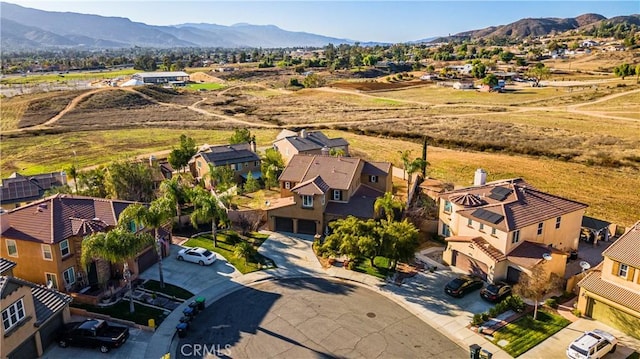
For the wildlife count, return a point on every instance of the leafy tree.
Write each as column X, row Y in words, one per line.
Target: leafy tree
column 336, row 152
column 490, row 80
column 220, row 177
column 520, row 61
column 271, row 165
column 478, row 70
column 130, row 181
column 208, row 207
column 399, row 240
column 312, row 81
column 244, row 250
column 252, row 184
column 539, row 72
column 506, row 56
column 179, row 157
column 145, row 63
column 430, row 69
column 411, row 166
column 623, row 70
column 388, row 206
column 116, row 246
column 241, row 135
column 93, row 183
column 638, row 73
column 176, row 192
column 536, row 285
column 346, row 237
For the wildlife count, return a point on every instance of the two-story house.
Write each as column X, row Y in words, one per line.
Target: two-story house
column 500, row 229
column 18, row 190
column 45, row 239
column 290, row 143
column 242, row 158
column 31, row 315
column 610, row 292
column 316, row 190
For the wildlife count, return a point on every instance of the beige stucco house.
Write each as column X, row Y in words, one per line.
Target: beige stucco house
column 611, row 291
column 500, row 229
column 31, row 315
column 316, row 190
column 290, row 143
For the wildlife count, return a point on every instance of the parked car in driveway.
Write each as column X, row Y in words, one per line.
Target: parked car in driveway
column 462, row 285
column 198, row 255
column 496, row 292
column 592, row 345
column 95, row 333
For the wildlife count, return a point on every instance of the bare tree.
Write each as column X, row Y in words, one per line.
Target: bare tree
column 537, row 285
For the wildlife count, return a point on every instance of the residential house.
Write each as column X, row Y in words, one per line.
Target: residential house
column 499, row 229
column 463, row 85
column 242, row 158
column 316, row 190
column 18, row 190
column 610, row 292
column 31, row 315
column 45, row 239
column 290, row 143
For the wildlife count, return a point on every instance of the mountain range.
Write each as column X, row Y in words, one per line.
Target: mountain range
column 31, row 29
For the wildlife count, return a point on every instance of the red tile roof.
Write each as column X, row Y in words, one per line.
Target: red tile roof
column 594, row 283
column 626, row 249
column 528, row 254
column 313, row 186
column 486, row 247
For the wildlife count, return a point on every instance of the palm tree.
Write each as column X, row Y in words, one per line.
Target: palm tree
column 173, row 190
column 73, row 172
column 387, row 205
column 115, row 246
column 208, row 207
column 154, row 216
column 243, row 250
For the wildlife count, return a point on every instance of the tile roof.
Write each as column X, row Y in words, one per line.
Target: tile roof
column 486, row 247
column 47, row 301
column 58, row 217
column 18, row 188
column 594, row 223
column 5, row 265
column 376, row 168
column 360, row 204
column 594, row 283
column 337, row 172
column 519, row 204
column 228, row 154
column 313, row 140
column 310, row 187
column 528, row 254
column 626, row 249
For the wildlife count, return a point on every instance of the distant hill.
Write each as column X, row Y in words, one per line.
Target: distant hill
column 25, row 28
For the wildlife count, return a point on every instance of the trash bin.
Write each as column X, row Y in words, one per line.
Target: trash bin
column 188, row 311
column 200, row 301
column 474, row 351
column 193, row 305
column 181, row 328
column 485, row 354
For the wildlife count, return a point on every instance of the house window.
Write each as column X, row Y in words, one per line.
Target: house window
column 64, row 247
column 493, row 231
column 256, row 163
column 69, row 276
column 12, row 315
column 199, row 164
column 323, row 200
column 516, row 237
column 623, row 270
column 469, row 222
column 246, row 164
column 558, row 219
column 12, row 248
column 307, row 201
column 337, row 195
column 287, row 185
column 540, row 225
column 445, row 230
column 447, row 207
column 51, row 277
column 481, row 227
column 46, row 252
column 373, row 179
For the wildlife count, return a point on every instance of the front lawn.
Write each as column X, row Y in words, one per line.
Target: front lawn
column 525, row 333
column 120, row 310
column 381, row 270
column 169, row 289
column 225, row 248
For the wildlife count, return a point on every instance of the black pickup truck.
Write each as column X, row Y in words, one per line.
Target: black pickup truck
column 93, row 333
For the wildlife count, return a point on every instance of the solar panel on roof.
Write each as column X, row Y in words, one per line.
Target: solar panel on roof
column 487, row 216
column 500, row 193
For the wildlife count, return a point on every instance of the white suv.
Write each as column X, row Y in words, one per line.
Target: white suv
column 592, row 345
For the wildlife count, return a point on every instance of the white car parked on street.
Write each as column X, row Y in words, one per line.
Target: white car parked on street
column 593, row 344
column 197, row 255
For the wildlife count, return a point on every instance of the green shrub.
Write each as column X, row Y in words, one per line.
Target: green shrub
column 551, row 302
column 485, row 316
column 477, row 319
column 493, row 312
column 576, row 312
column 232, row 238
column 515, row 303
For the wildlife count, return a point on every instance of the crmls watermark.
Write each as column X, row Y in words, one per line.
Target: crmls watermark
column 199, row 350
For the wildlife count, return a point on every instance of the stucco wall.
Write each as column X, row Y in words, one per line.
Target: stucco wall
column 24, row 331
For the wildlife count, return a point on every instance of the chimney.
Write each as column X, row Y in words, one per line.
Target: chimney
column 325, row 151
column 303, row 133
column 4, row 220
column 252, row 144
column 480, row 178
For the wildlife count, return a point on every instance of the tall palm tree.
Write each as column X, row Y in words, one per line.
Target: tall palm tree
column 174, row 191
column 154, row 216
column 115, row 246
column 387, row 205
column 208, row 207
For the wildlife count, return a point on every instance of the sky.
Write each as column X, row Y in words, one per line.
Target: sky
column 381, row 21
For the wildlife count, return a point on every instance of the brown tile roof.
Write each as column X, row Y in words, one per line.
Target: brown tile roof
column 360, row 204
column 47, row 301
column 626, row 249
column 313, row 186
column 486, row 247
column 313, row 140
column 519, row 204
column 594, row 283
column 337, row 172
column 528, row 254
column 376, row 168
column 5, row 265
column 58, row 217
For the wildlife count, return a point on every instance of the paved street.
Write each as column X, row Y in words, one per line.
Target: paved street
column 311, row 318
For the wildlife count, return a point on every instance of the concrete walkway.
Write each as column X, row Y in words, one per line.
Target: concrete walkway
column 421, row 295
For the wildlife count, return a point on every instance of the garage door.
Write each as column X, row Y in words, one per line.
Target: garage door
column 306, row 226
column 284, row 224
column 614, row 317
column 49, row 331
column 147, row 259
column 26, row 350
column 464, row 262
column 513, row 275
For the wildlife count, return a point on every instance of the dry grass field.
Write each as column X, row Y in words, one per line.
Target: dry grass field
column 579, row 139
